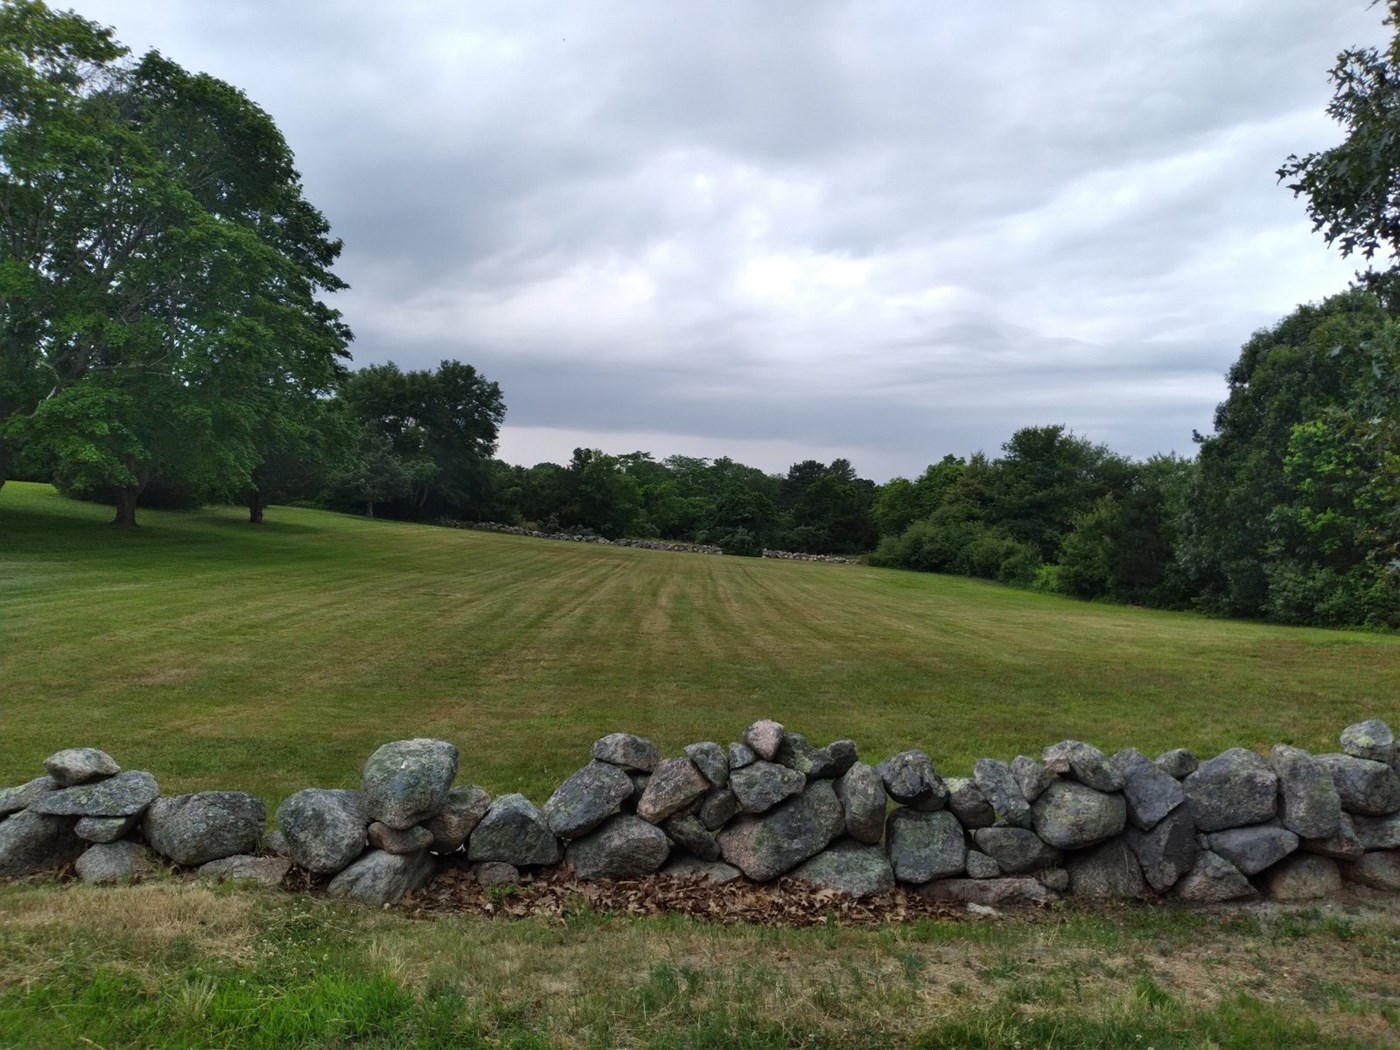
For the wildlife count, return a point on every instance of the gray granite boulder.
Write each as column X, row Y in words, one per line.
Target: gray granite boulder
column 380, row 878
column 1372, row 739
column 400, row 843
column 1016, row 850
column 1178, row 763
column 852, row 867
column 1309, row 804
column 32, row 842
column 451, row 825
column 1002, row 792
column 715, row 871
column 1303, row 877
column 796, row 753
column 837, row 759
column 674, row 785
column 980, row 866
column 586, row 799
column 112, row 862
column 1342, row 845
column 1255, row 848
column 625, row 847
column 628, row 751
column 772, row 844
column 761, row 786
column 117, row 796
column 968, row 804
column 910, row 779
column 925, row 846
column 1379, row 870
column 324, row 828
column 105, row 829
column 1168, row 852
column 1084, row 763
column 514, row 831
column 687, row 832
column 1149, row 791
column 711, row 760
column 1056, row 879
column 194, row 829
column 740, row 755
column 266, row 871
column 1071, row 815
column 863, row 799
column 764, row 738
column 718, row 808
column 1109, row 871
column 406, row 781
column 1031, row 777
column 14, row 799
column 1213, row 880
column 1376, row 832
column 80, row 765
column 1232, row 790
column 1366, row 788
column 989, row 892
column 491, row 873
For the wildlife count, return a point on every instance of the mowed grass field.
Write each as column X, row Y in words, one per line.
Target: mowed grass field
column 222, row 655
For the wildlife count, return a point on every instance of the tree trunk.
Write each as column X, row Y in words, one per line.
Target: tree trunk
column 369, row 508
column 256, row 505
column 4, row 461
column 126, row 507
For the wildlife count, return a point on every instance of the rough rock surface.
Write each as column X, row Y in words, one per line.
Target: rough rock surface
column 718, row 808
column 862, row 796
column 117, row 796
column 924, row 846
column 628, row 751
column 674, row 785
column 968, row 804
column 1070, row 815
column 981, row 866
column 761, row 786
column 1168, row 852
column 1375, row 832
column 764, row 738
column 586, row 799
column 851, row 867
column 406, row 781
column 113, row 862
column 1016, row 850
column 1366, row 788
column 711, row 760
column 840, row 756
column 740, row 755
column 989, row 892
column 1309, row 804
column 14, row 799
column 1002, row 792
column 195, row 829
column 267, row 871
column 1379, row 870
column 625, row 847
column 380, row 878
column 1109, row 871
column 324, row 827
column 1084, row 763
column 1372, row 739
column 105, row 829
column 910, row 779
column 451, row 825
column 795, row 752
column 79, row 765
column 1149, row 792
column 1178, row 763
column 1344, row 845
column 715, row 871
column 400, row 843
column 1214, row 879
column 1031, row 777
column 1231, row 790
column 495, row 873
column 686, row 831
column 514, row 831
column 1303, row 877
column 764, row 847
column 31, row 842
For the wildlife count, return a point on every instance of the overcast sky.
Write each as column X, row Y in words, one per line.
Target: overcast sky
column 789, row 229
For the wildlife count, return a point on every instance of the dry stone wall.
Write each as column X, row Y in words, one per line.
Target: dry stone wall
column 1291, row 826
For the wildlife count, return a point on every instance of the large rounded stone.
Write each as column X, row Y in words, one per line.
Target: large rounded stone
column 628, row 751
column 910, row 779
column 1016, row 850
column 1178, row 763
column 1031, row 777
column 924, row 846
column 711, row 760
column 1308, row 801
column 1303, row 877
column 968, row 804
column 113, row 862
column 400, row 843
column 407, row 781
column 740, row 755
column 766, row 846
column 1344, row 844
column 1169, row 851
column 1071, row 815
column 998, row 786
column 1372, row 739
column 451, row 825
column 119, row 796
column 718, row 808
column 589, row 797
column 14, row 799
column 625, row 847
column 79, row 765
column 380, row 878
column 1149, row 791
column 761, row 786
column 1380, row 870
column 194, row 829
column 266, row 871
column 674, row 785
column 1213, row 880
column 851, row 867
column 862, row 796
column 514, row 831
column 764, row 738
column 1232, row 790
column 32, row 842
column 1084, row 763
column 1366, row 788
column 105, row 829
column 1255, row 848
column 1109, row 871
column 324, row 828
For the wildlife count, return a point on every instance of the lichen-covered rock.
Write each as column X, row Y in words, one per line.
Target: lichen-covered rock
column 981, row 866
column 711, row 760
column 1255, row 848
column 1031, row 777
column 796, row 753
column 194, row 829
column 1178, row 763
column 266, row 871
column 910, row 779
column 837, row 758
column 999, row 787
column 586, row 799
column 1213, row 880
column 862, row 796
column 740, row 755
column 1309, row 805
column 628, row 751
column 1343, row 845
column 514, row 831
column 1303, row 877
column 117, row 796
column 406, row 781
column 463, row 811
column 1372, row 739
column 1232, row 790
column 674, row 785
column 761, row 786
column 14, row 799
column 380, row 878
column 764, row 738
column 107, row 863
column 1071, row 815
column 989, row 892
column 1149, row 792
column 401, row 843
column 1016, row 850
column 105, row 829
column 718, row 808
column 925, row 846
column 715, row 871
column 80, row 765
column 1366, row 788
column 968, row 804
column 623, row 848
column 772, row 844
column 1379, row 870
column 687, row 832
column 1084, row 763
column 324, row 828
column 1169, row 851
column 1378, row 832
column 32, row 842
column 1107, row 872
column 851, row 867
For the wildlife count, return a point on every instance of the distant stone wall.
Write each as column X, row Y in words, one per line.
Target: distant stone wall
column 1291, row 826
column 572, row 537
column 831, row 559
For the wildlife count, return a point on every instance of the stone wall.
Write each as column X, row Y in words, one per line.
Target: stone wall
column 572, row 537
column 830, row 559
column 1290, row 826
